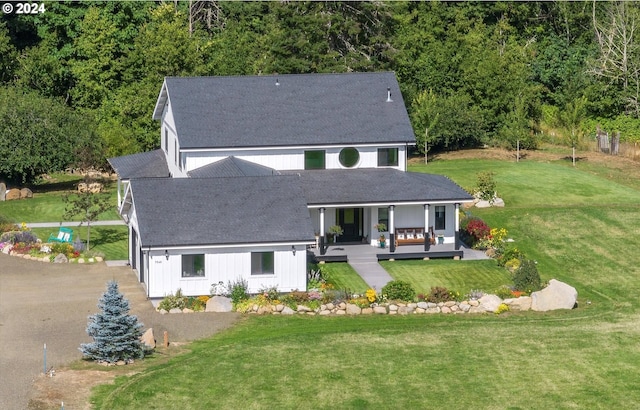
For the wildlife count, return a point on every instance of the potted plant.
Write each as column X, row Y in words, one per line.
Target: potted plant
column 333, row 232
column 380, row 227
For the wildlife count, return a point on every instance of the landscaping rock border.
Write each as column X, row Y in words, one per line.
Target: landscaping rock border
column 557, row 295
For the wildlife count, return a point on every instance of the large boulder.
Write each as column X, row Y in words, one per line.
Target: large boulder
column 489, row 303
column 558, row 295
column 219, row 304
column 148, row 339
column 61, row 258
column 26, row 193
column 12, row 194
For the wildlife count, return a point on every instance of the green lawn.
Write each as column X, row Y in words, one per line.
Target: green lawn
column 46, row 204
column 112, row 241
column 342, row 276
column 580, row 224
column 461, row 276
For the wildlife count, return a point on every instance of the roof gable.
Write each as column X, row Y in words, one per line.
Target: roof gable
column 232, row 167
column 206, row 211
column 151, row 164
column 286, row 110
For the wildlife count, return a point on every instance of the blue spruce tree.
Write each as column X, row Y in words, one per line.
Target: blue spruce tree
column 115, row 333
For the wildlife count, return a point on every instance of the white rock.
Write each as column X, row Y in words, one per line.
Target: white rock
column 489, row 303
column 558, row 295
column 219, row 304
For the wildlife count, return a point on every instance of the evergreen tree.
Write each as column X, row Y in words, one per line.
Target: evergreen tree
column 116, row 334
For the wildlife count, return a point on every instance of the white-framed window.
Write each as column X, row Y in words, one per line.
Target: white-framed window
column 387, row 157
column 383, row 216
column 262, row 263
column 440, row 223
column 193, row 266
column 166, row 140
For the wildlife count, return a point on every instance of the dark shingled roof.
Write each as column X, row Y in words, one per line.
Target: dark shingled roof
column 303, row 109
column 205, row 211
column 149, row 164
column 360, row 186
column 232, row 167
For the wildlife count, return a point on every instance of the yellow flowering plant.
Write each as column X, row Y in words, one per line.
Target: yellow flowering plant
column 371, row 295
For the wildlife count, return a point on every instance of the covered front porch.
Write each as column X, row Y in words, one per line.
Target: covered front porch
column 348, row 252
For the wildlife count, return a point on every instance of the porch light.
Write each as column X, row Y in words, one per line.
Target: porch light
column 166, row 254
column 293, row 249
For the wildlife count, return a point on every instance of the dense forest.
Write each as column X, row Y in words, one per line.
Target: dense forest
column 78, row 81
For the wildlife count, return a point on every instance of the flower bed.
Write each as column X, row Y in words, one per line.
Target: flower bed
column 21, row 242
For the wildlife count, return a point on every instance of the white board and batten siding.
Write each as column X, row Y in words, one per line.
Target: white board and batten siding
column 289, row 159
column 165, row 275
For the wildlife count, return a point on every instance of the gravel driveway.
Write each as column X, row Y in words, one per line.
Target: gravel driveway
column 49, row 303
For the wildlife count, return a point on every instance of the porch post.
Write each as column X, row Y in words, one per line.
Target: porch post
column 392, row 230
column 322, row 249
column 427, row 243
column 119, row 194
column 457, row 233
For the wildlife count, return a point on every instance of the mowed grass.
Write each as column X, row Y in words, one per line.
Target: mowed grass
column 461, row 276
column 342, row 276
column 580, row 225
column 561, row 360
column 47, row 205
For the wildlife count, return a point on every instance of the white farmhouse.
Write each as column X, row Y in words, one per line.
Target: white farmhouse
column 252, row 171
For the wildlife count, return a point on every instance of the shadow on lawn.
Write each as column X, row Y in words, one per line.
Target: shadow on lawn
column 108, row 235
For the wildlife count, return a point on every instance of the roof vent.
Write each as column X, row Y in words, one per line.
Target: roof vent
column 389, row 95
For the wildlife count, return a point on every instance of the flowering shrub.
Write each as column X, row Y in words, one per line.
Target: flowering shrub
column 371, row 295
column 19, row 236
column 503, row 307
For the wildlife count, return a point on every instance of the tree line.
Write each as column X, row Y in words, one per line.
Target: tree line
column 80, row 80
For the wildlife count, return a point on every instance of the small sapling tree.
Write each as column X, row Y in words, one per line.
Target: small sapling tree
column 115, row 333
column 88, row 205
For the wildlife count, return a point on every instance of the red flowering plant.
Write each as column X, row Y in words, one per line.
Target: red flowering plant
column 475, row 230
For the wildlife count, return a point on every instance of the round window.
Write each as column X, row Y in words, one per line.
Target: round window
column 349, row 157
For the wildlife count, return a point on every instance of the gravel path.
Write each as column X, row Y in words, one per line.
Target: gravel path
column 49, row 303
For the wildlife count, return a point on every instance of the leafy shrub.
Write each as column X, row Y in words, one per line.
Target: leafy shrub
column 19, row 236
column 238, row 290
column 196, row 304
column 506, row 254
column 298, row 296
column 173, row 301
column 63, row 248
column 439, row 294
column 399, row 290
column 485, row 185
column 6, row 226
column 512, row 265
column 527, row 278
column 270, row 293
column 503, row 292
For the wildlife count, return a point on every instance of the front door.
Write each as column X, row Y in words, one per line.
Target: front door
column 350, row 219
